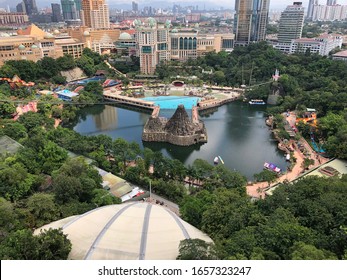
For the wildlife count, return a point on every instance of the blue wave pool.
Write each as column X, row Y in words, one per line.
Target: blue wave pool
column 171, row 102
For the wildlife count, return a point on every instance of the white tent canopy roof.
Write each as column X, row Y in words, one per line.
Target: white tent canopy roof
column 130, row 231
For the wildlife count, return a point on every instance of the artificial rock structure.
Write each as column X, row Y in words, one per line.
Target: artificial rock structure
column 178, row 130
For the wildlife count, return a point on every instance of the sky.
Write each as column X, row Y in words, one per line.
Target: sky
column 274, row 4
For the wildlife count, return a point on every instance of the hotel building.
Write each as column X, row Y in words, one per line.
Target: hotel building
column 34, row 44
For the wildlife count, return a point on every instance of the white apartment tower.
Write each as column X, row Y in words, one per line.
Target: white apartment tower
column 311, row 5
column 331, row 2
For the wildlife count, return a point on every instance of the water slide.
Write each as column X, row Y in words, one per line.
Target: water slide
column 16, row 81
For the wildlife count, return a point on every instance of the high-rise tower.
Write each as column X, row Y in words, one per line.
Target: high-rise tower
column 331, row 2
column 311, row 4
column 250, row 21
column 56, row 13
column 30, row 7
column 291, row 23
column 70, row 9
column 95, row 14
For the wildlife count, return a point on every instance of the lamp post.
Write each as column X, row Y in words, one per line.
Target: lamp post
column 150, row 191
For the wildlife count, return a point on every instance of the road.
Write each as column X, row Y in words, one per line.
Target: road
column 167, row 203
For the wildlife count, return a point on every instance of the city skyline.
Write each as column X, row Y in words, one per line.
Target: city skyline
column 208, row 4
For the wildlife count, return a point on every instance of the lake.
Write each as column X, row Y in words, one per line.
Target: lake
column 236, row 132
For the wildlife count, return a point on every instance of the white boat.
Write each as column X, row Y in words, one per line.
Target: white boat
column 257, row 102
column 287, row 157
column 216, row 160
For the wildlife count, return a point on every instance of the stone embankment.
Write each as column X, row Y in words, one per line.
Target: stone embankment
column 212, row 103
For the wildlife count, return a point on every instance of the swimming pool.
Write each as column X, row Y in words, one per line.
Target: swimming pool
column 171, row 102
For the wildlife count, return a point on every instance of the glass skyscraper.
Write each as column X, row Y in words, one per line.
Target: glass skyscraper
column 250, row 21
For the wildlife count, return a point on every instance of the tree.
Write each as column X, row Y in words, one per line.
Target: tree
column 196, row 249
column 48, row 67
column 265, row 176
column 282, row 231
column 52, row 157
column 123, row 151
column 230, row 212
column 12, row 129
column 96, row 57
column 9, row 220
column 20, row 245
column 27, row 70
column 51, row 244
column 58, row 79
column 230, row 179
column 8, row 71
column 42, row 207
column 103, row 197
column 307, row 163
column 57, row 111
column 7, row 110
column 219, row 77
column 302, row 251
column 330, row 124
column 65, row 188
column 15, row 182
column 95, row 89
column 193, row 207
column 86, row 63
column 66, row 62
column 75, row 181
column 33, row 120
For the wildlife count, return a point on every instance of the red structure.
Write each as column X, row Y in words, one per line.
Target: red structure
column 16, row 82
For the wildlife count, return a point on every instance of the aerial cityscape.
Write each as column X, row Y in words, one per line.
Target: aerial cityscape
column 173, row 130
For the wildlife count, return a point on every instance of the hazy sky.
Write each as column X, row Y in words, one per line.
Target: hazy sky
column 274, row 4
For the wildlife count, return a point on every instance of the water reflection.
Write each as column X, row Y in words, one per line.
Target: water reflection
column 236, row 131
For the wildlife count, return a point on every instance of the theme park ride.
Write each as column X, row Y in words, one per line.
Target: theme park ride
column 16, row 82
column 309, row 117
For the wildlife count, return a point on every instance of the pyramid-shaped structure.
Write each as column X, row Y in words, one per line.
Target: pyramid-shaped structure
column 32, row 30
column 180, row 124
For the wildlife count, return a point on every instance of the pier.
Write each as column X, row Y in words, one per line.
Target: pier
column 116, row 97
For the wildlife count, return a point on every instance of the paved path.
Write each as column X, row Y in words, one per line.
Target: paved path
column 167, row 203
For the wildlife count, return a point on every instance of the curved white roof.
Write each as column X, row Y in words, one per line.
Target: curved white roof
column 130, row 231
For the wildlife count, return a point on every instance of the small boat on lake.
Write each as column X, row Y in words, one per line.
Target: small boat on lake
column 257, row 102
column 216, row 160
column 287, row 157
column 272, row 167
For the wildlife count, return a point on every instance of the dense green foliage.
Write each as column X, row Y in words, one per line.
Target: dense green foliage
column 196, row 249
column 22, row 245
column 305, row 220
